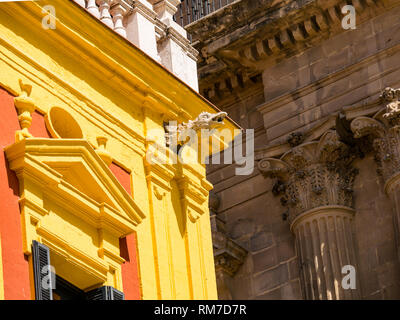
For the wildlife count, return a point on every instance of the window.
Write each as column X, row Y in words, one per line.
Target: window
column 62, row 290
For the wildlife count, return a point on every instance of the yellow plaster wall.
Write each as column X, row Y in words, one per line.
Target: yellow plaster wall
column 112, row 89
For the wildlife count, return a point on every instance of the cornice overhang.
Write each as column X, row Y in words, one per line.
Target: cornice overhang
column 71, row 173
column 246, row 37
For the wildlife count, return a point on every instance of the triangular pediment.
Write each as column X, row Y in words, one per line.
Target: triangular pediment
column 80, row 175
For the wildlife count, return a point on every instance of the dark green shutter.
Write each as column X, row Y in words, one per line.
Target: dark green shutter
column 116, row 294
column 105, row 293
column 41, row 259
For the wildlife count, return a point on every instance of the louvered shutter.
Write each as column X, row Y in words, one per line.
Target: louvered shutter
column 116, row 294
column 41, row 269
column 105, row 293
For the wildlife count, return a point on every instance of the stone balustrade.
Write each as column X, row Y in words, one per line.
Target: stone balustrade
column 150, row 26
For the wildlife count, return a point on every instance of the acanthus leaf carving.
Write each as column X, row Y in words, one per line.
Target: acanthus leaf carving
column 312, row 175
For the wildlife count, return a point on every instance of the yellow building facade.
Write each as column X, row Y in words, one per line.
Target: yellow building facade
column 104, row 102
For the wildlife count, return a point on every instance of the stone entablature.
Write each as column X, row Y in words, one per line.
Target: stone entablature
column 278, row 31
column 295, row 94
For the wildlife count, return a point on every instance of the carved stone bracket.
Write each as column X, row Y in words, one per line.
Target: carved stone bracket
column 102, row 151
column 228, row 255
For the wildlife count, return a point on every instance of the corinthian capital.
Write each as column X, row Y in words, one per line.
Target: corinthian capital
column 313, row 174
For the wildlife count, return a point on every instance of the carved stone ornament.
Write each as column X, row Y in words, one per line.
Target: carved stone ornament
column 391, row 97
column 384, row 131
column 313, row 174
column 295, row 139
column 228, row 255
column 25, row 107
column 205, row 120
column 102, row 151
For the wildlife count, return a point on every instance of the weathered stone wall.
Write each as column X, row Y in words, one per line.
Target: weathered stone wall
column 341, row 71
column 304, row 92
column 378, row 266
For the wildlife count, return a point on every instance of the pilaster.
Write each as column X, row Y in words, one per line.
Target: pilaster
column 194, row 189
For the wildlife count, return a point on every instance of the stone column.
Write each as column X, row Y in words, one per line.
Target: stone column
column 315, row 180
column 383, row 130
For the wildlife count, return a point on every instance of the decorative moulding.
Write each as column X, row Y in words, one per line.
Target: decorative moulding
column 71, row 171
column 62, row 125
column 72, row 202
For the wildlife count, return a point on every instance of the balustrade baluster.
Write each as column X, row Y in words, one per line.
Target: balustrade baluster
column 117, row 12
column 105, row 15
column 93, row 8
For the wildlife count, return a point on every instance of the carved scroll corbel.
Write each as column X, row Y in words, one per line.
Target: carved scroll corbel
column 364, row 126
column 25, row 107
column 273, row 168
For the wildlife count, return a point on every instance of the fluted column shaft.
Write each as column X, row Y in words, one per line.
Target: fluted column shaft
column 324, row 243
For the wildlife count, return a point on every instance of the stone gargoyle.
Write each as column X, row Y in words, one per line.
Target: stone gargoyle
column 205, row 121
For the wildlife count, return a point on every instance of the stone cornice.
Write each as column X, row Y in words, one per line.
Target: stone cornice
column 171, row 33
column 274, row 32
column 143, row 10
